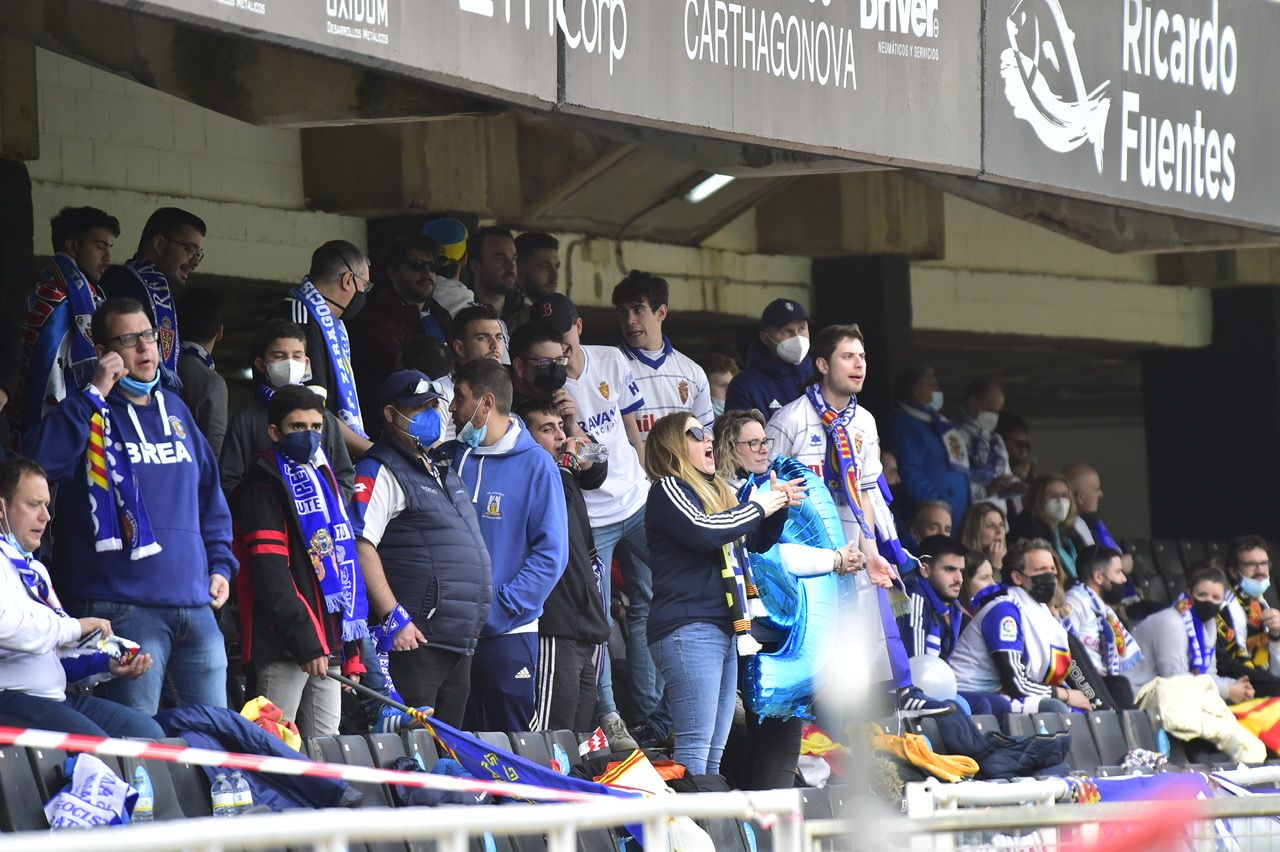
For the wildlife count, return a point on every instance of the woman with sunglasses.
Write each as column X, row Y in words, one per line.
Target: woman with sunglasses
column 772, row 745
column 699, row 622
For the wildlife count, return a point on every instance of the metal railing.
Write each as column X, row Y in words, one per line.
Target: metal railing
column 452, row 828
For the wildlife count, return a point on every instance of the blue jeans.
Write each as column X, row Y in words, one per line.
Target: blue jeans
column 700, row 664
column 78, row 714
column 631, row 541
column 186, row 644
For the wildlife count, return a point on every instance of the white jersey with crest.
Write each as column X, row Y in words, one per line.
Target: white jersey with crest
column 604, row 392
column 669, row 381
column 797, row 431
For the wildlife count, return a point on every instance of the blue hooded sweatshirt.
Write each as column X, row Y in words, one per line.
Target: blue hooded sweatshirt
column 515, row 489
column 179, row 486
column 768, row 383
column 926, row 470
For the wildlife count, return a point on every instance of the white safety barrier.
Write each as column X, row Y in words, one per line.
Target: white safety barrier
column 450, row 827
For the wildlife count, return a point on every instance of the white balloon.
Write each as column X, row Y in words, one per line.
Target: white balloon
column 933, row 677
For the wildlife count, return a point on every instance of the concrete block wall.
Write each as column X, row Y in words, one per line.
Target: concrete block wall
column 118, row 145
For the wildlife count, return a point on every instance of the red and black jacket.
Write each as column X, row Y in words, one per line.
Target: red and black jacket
column 282, row 611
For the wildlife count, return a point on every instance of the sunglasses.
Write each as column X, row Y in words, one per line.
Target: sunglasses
column 417, row 264
column 699, row 433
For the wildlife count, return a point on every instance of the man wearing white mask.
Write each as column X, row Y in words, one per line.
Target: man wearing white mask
column 778, row 365
column 279, row 360
column 989, row 473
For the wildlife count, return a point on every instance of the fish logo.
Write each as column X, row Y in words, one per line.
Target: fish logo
column 1043, row 83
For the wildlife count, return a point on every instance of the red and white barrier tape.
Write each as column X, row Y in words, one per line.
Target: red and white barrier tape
column 31, row 738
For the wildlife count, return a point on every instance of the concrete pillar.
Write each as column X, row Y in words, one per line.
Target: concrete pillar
column 1212, row 419
column 875, row 292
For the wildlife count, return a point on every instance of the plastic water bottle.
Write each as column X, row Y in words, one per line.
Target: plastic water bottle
column 223, row 796
column 144, row 809
column 243, row 793
column 593, row 453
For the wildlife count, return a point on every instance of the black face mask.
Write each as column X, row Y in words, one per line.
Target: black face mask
column 354, row 307
column 1043, row 587
column 1113, row 594
column 1206, row 611
column 549, row 378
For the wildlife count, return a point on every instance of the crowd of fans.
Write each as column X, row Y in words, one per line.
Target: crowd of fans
column 433, row 481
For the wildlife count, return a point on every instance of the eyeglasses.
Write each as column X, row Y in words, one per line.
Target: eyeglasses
column 1265, row 563
column 418, row 264
column 698, row 433
column 128, row 341
column 368, row 285
column 195, row 254
column 562, row 360
column 755, row 445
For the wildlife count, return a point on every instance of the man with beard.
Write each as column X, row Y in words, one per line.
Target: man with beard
column 492, row 261
column 56, row 348
column 169, row 250
column 395, row 315
column 1102, row 583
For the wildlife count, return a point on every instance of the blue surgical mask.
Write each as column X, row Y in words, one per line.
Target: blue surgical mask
column 470, row 434
column 137, row 387
column 935, row 401
column 1255, row 588
column 425, row 427
column 13, row 542
column 717, row 406
column 300, row 446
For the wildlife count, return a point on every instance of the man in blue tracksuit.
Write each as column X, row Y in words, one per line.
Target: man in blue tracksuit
column 144, row 533
column 778, row 364
column 516, row 492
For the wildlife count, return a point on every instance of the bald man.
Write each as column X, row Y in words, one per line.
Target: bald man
column 1086, row 487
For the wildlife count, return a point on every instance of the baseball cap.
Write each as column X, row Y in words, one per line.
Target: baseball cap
column 779, row 312
column 556, row 310
column 450, row 235
column 410, row 387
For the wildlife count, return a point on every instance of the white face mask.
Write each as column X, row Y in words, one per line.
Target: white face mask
column 987, row 421
column 1057, row 508
column 935, row 401
column 793, row 349
column 287, row 372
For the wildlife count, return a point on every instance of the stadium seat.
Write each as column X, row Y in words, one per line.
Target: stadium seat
column 928, row 728
column 495, row 738
column 47, row 764
column 324, row 749
column 21, row 808
column 166, row 802
column 191, row 784
column 385, row 748
column 985, row 723
column 1138, row 731
column 1168, row 560
column 355, row 752
column 1108, row 736
column 816, row 803
column 531, row 747
column 1139, row 549
column 1153, row 588
column 1084, row 754
column 1216, row 549
column 1192, row 552
column 418, row 743
column 567, row 742
column 1019, row 725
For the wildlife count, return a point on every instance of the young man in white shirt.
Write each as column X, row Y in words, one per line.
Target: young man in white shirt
column 669, row 381
column 830, row 433
column 602, row 384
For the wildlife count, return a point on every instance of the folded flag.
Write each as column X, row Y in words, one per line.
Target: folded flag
column 596, row 742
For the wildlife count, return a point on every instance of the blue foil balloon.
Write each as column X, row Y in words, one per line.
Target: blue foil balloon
column 781, row 683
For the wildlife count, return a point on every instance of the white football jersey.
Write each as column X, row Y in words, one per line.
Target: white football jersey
column 670, row 382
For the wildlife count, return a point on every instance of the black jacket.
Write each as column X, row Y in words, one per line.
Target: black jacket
column 282, row 610
column 575, row 609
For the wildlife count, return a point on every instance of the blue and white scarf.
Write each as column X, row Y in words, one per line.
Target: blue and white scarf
column 60, row 307
column 120, row 516
column 322, row 521
column 335, row 336
column 1118, row 650
column 198, row 352
column 1200, row 653
column 160, row 298
column 37, row 585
